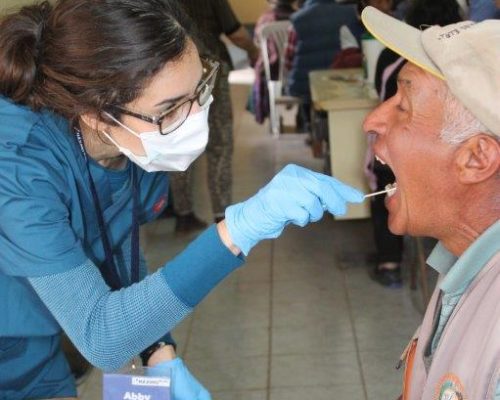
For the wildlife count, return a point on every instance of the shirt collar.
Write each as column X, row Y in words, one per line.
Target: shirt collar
column 459, row 272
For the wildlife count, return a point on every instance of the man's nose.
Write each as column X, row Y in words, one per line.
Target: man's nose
column 376, row 121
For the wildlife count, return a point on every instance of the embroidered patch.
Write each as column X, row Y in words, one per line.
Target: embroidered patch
column 450, row 388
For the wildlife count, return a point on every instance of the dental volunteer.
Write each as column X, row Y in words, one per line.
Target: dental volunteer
column 96, row 96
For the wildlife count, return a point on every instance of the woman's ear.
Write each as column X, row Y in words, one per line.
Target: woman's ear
column 94, row 122
column 478, row 158
column 90, row 120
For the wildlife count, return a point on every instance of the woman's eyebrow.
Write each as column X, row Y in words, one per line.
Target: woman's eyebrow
column 170, row 100
column 177, row 98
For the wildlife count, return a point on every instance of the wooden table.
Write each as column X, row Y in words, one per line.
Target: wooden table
column 343, row 95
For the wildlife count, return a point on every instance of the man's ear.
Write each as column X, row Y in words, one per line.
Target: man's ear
column 478, row 158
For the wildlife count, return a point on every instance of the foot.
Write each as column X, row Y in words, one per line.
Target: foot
column 189, row 223
column 388, row 276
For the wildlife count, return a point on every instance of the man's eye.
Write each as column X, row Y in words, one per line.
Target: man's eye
column 400, row 108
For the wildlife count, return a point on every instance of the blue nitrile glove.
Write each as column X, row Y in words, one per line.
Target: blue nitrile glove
column 184, row 385
column 295, row 195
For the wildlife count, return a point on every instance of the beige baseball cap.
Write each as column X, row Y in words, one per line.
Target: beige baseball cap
column 466, row 55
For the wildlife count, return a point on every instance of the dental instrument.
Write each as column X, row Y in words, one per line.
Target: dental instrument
column 388, row 191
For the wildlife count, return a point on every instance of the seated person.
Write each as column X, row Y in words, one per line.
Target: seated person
column 389, row 247
column 279, row 10
column 440, row 135
column 350, row 55
column 480, row 10
column 312, row 45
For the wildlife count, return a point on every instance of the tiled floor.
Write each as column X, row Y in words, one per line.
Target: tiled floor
column 302, row 319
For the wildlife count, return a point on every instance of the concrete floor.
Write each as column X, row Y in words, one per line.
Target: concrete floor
column 302, row 319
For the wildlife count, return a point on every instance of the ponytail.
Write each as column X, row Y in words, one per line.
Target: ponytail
column 78, row 56
column 21, row 50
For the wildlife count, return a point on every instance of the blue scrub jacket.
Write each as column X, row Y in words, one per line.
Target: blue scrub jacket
column 48, row 225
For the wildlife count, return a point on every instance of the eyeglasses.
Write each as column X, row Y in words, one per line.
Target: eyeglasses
column 176, row 115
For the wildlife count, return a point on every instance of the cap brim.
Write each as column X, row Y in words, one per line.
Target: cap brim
column 401, row 38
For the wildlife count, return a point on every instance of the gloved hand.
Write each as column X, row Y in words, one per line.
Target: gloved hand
column 184, row 385
column 295, row 195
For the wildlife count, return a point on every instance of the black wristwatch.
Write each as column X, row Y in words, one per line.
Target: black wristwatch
column 146, row 354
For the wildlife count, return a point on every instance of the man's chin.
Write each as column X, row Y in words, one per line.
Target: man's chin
column 396, row 225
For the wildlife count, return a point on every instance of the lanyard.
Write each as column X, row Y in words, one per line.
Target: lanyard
column 108, row 269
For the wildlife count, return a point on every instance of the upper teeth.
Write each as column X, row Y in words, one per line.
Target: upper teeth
column 380, row 160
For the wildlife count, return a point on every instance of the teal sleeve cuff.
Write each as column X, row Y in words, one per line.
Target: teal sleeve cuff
column 200, row 267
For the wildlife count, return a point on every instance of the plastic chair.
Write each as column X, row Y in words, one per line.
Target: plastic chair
column 277, row 34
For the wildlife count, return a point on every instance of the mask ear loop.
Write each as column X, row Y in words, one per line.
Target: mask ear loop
column 122, row 149
column 108, row 136
column 122, row 125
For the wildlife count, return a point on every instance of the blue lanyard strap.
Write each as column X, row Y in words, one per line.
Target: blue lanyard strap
column 108, row 268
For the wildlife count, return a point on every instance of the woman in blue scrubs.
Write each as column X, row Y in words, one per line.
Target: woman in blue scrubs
column 97, row 98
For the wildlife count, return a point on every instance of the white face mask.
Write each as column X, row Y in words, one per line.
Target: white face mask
column 175, row 151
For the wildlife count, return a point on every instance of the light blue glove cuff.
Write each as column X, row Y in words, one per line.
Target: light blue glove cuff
column 184, row 385
column 166, row 366
column 233, row 214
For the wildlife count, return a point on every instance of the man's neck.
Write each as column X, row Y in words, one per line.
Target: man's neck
column 460, row 235
column 459, row 238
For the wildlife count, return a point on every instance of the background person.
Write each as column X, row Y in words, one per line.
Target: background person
column 313, row 42
column 213, row 18
column 440, row 135
column 279, row 10
column 91, row 120
column 479, row 10
column 350, row 55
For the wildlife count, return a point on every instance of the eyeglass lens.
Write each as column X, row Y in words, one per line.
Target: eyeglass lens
column 176, row 117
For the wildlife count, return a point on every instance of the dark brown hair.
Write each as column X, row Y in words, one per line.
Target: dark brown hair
column 80, row 55
column 432, row 12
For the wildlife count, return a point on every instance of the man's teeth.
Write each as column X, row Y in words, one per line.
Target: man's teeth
column 391, row 189
column 380, row 160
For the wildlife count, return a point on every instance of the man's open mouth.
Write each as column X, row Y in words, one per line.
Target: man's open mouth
column 392, row 187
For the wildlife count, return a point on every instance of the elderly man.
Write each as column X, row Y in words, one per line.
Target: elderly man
column 440, row 134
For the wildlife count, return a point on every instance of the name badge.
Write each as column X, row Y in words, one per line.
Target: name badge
column 136, row 384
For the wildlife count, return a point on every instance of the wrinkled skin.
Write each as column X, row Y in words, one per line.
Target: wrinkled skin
column 444, row 191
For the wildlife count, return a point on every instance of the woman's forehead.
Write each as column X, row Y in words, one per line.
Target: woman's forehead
column 175, row 80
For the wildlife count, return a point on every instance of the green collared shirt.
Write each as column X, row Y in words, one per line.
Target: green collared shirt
column 459, row 272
